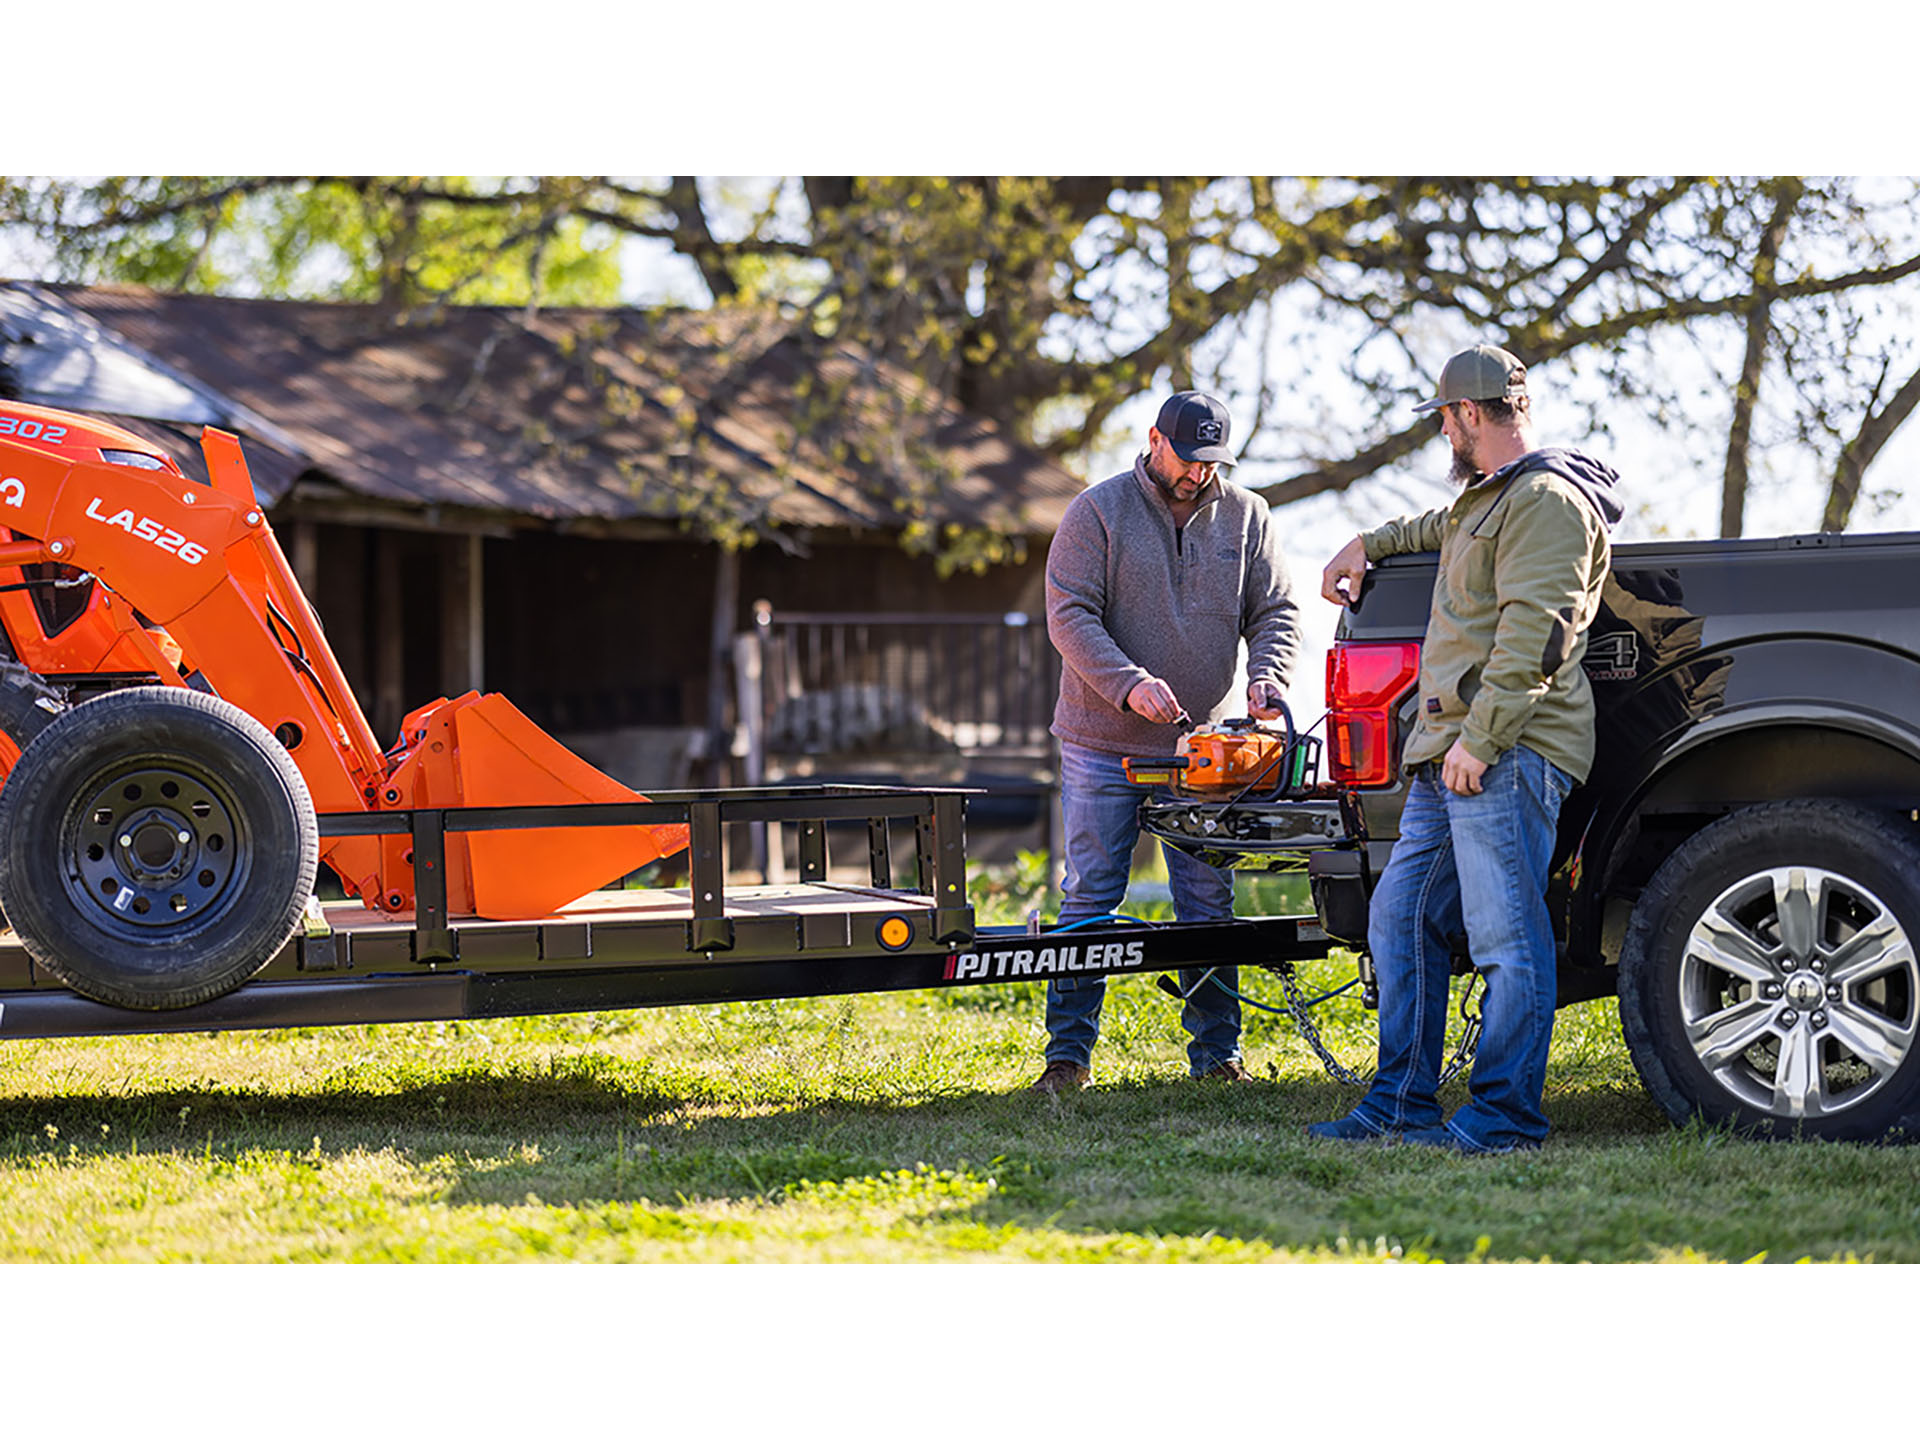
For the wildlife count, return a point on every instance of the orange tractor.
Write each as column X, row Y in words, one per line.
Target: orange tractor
column 180, row 804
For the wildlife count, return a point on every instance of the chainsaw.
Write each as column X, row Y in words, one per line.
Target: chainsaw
column 1243, row 755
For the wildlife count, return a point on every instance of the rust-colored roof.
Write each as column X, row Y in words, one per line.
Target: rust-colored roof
column 573, row 415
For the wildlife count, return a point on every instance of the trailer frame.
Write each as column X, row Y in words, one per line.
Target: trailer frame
column 667, row 946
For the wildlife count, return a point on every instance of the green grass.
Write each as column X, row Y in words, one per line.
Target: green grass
column 867, row 1128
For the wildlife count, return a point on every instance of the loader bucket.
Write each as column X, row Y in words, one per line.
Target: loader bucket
column 500, row 757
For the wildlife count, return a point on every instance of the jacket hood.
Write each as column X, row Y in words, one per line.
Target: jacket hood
column 1593, row 479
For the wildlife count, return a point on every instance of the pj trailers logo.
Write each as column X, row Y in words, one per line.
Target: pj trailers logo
column 1047, row 961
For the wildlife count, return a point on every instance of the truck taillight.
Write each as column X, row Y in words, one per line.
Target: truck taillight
column 1364, row 683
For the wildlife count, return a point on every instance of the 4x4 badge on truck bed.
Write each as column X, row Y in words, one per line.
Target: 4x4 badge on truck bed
column 1612, row 657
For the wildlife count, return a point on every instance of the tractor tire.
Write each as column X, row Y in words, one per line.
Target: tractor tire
column 1769, row 980
column 27, row 706
column 157, row 847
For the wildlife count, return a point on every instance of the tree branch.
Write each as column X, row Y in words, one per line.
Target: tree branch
column 166, row 209
column 1342, row 473
column 1858, row 453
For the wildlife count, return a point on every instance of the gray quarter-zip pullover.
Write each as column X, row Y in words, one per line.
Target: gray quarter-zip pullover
column 1130, row 595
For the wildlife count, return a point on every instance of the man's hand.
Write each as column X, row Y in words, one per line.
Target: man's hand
column 1264, row 700
column 1460, row 772
column 1154, row 698
column 1349, row 565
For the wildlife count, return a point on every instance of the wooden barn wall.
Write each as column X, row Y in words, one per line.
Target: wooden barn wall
column 590, row 634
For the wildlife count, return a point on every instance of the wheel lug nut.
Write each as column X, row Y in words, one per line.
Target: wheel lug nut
column 1770, row 991
column 1788, row 963
column 1833, row 992
column 1816, row 965
column 185, row 838
column 1789, row 1018
column 126, row 842
column 1819, row 1018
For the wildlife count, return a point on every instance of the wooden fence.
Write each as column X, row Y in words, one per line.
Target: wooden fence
column 892, row 697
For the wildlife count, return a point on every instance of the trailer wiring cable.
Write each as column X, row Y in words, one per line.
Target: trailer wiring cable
column 1282, row 1009
column 1212, row 976
column 1033, row 922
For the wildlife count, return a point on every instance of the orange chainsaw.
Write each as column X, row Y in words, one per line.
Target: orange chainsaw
column 1240, row 754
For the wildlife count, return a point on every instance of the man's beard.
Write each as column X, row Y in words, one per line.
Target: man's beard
column 1171, row 488
column 1465, row 470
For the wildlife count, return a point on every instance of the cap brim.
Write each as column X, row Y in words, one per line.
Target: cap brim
column 1427, row 405
column 1205, row 454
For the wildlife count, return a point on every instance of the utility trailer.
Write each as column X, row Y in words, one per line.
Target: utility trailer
column 181, row 752
column 624, row 949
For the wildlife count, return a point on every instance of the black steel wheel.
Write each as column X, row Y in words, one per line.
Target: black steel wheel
column 1769, row 977
column 157, row 847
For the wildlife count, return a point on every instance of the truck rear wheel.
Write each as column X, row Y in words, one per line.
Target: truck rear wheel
column 1769, row 977
column 157, row 847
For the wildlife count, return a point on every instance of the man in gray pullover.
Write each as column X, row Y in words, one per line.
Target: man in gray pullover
column 1153, row 581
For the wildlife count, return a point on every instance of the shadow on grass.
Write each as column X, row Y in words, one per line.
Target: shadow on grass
column 1144, row 1159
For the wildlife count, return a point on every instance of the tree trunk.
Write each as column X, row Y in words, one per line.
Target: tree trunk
column 1733, row 493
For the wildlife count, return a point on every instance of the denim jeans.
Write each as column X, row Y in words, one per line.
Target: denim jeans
column 1100, row 812
column 1476, row 863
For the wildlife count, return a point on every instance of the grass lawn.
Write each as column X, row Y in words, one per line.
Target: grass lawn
column 871, row 1128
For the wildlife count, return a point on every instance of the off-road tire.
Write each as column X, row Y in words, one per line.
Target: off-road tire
column 157, row 847
column 1768, row 979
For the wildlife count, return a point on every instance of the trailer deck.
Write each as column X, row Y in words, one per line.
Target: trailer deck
column 697, row 943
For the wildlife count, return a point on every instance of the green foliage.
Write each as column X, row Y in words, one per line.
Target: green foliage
column 1003, row 894
column 399, row 241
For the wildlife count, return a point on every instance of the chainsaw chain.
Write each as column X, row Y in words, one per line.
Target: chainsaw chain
column 1310, row 1032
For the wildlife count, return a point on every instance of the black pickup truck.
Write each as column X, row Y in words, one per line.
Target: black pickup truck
column 1742, row 867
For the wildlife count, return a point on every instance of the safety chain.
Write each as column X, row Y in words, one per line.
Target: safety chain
column 1469, row 1037
column 1310, row 1032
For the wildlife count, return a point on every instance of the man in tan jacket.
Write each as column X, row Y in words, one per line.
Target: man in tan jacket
column 1505, row 730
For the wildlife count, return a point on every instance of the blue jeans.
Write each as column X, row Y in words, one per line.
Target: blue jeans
column 1100, row 812
column 1476, row 863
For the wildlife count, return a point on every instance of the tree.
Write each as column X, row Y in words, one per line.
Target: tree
column 400, row 242
column 1320, row 306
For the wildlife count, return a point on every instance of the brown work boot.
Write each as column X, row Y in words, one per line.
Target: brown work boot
column 1061, row 1076
column 1231, row 1070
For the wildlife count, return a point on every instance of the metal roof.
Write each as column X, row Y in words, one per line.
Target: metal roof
column 568, row 416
